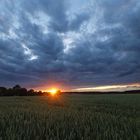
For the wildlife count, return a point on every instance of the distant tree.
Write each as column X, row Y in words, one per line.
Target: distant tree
column 31, row 92
column 40, row 93
column 18, row 91
column 3, row 91
column 16, row 87
column 23, row 92
column 10, row 92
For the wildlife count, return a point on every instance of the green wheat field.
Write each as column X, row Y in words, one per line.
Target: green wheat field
column 70, row 117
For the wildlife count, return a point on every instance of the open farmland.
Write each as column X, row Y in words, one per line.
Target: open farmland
column 70, row 117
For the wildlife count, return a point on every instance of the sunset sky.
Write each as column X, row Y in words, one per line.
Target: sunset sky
column 70, row 44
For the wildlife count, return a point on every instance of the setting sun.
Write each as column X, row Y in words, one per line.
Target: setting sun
column 53, row 91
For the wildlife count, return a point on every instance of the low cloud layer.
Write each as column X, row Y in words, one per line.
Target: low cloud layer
column 70, row 42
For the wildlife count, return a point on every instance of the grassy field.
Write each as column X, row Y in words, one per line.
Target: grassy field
column 70, row 117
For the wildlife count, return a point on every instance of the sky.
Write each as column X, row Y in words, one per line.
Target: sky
column 70, row 44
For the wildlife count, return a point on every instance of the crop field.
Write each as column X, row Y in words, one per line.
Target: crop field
column 70, row 117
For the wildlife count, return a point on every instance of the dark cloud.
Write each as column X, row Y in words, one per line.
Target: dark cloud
column 43, row 40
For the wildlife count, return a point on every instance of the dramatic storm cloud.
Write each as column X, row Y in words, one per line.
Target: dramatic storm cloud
column 74, row 43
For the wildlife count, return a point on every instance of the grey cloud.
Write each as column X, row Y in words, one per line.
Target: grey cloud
column 78, row 20
column 107, row 53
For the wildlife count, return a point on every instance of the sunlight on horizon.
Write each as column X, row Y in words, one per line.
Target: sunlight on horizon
column 53, row 91
column 109, row 88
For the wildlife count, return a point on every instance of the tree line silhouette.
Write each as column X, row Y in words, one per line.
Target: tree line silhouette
column 17, row 90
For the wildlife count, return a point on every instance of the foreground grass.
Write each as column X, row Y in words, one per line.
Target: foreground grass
column 70, row 117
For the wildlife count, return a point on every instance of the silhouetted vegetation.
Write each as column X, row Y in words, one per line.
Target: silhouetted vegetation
column 19, row 91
